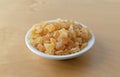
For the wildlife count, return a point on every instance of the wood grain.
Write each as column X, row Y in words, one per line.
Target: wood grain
column 17, row 16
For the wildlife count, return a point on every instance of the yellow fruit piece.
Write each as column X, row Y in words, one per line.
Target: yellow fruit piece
column 43, row 24
column 50, row 27
column 76, row 43
column 56, row 34
column 73, row 50
column 59, row 44
column 39, row 40
column 49, row 48
column 85, row 35
column 52, row 40
column 63, row 34
column 60, row 52
column 83, row 45
column 63, row 31
column 46, row 37
column 41, row 47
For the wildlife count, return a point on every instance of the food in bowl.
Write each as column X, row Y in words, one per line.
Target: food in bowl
column 61, row 37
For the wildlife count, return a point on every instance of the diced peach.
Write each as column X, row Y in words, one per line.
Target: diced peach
column 56, row 34
column 63, row 33
column 43, row 24
column 50, row 27
column 83, row 45
column 41, row 47
column 59, row 44
column 49, row 48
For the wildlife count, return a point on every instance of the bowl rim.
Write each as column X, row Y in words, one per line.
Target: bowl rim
column 34, row 50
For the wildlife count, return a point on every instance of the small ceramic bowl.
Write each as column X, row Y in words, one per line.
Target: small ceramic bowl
column 58, row 57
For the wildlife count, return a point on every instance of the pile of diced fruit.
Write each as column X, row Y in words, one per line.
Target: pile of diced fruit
column 60, row 37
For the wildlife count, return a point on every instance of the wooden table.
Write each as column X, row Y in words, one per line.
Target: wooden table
column 102, row 16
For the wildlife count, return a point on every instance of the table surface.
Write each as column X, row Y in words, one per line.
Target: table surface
column 102, row 16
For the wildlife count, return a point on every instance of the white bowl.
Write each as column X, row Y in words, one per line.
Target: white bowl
column 63, row 57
